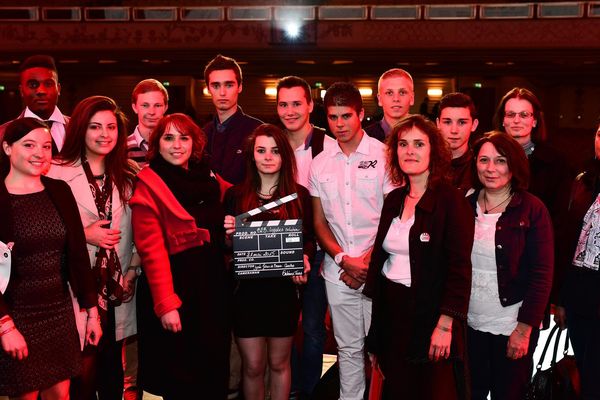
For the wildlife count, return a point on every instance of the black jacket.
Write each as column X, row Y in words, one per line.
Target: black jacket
column 580, row 292
column 77, row 263
column 440, row 242
column 524, row 255
column 226, row 148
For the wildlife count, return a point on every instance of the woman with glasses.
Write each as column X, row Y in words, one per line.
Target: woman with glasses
column 520, row 115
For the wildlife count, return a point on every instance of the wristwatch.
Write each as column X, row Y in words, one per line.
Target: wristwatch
column 339, row 257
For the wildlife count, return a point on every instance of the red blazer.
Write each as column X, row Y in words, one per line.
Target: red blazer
column 161, row 227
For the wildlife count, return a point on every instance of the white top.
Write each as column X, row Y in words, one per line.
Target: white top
column 58, row 125
column 397, row 267
column 351, row 190
column 74, row 175
column 304, row 158
column 486, row 314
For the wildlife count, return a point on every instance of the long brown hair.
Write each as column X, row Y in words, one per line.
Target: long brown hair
column 287, row 175
column 116, row 164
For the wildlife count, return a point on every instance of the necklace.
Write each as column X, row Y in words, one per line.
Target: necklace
column 486, row 210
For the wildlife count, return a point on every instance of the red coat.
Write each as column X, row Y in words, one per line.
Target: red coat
column 161, row 227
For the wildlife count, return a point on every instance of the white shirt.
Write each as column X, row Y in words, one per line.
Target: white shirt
column 486, row 314
column 304, row 158
column 59, row 123
column 397, row 267
column 351, row 190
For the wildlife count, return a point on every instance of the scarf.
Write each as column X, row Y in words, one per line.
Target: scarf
column 107, row 268
column 587, row 253
column 191, row 186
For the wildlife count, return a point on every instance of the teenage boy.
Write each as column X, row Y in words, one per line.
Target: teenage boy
column 40, row 89
column 348, row 184
column 294, row 106
column 150, row 101
column 457, row 120
column 395, row 94
column 230, row 127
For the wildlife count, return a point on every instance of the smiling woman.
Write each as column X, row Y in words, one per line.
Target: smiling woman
column 512, row 270
column 93, row 161
column 183, row 289
column 41, row 227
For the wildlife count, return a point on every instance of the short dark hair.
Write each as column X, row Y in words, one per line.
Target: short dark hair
column 458, row 100
column 289, row 82
column 439, row 156
column 149, row 85
column 538, row 132
column 38, row 61
column 15, row 131
column 183, row 124
column 343, row 94
column 507, row 146
column 220, row 63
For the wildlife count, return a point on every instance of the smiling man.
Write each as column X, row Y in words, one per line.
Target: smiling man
column 395, row 94
column 294, row 105
column 228, row 131
column 347, row 184
column 150, row 101
column 457, row 120
column 40, row 90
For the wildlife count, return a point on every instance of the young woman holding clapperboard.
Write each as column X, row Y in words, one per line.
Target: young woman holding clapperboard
column 266, row 310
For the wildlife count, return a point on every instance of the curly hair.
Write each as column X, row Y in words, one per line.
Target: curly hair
column 439, row 157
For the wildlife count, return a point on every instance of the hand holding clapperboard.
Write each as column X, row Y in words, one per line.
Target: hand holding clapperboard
column 268, row 249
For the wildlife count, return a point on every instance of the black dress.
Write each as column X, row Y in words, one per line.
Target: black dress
column 195, row 361
column 268, row 307
column 39, row 300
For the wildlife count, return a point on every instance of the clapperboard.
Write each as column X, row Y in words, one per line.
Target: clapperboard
column 267, row 249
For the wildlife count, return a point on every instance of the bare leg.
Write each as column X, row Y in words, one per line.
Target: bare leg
column 254, row 361
column 279, row 350
column 60, row 391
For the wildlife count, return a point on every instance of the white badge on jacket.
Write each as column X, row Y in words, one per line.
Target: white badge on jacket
column 5, row 261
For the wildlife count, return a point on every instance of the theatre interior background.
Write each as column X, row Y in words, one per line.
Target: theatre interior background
column 483, row 48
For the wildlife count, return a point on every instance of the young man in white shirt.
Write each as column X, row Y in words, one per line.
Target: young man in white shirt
column 294, row 105
column 150, row 101
column 40, row 89
column 395, row 94
column 348, row 184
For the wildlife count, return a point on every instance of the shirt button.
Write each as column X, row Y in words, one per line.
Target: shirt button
column 504, row 299
column 347, row 183
column 499, row 247
column 347, row 203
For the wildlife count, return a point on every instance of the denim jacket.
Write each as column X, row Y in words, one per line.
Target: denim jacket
column 524, row 255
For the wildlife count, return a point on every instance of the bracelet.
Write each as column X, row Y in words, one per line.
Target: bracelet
column 5, row 319
column 94, row 318
column 133, row 267
column 444, row 328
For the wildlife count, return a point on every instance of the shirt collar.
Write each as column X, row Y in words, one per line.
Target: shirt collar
column 363, row 146
column 138, row 136
column 56, row 116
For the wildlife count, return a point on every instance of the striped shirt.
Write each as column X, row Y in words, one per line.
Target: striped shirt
column 137, row 148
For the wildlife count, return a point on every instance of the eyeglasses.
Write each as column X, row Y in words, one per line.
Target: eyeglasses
column 522, row 114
